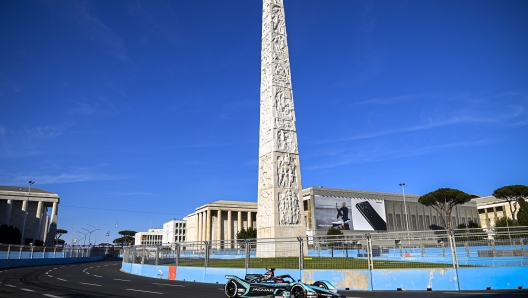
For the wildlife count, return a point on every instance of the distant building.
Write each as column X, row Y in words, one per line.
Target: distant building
column 491, row 209
column 220, row 220
column 37, row 225
column 153, row 237
column 174, row 231
column 376, row 211
column 368, row 211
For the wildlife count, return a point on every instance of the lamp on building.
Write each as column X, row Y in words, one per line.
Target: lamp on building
column 25, row 213
column 405, row 209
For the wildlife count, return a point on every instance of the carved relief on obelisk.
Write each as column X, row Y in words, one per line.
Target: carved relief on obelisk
column 279, row 191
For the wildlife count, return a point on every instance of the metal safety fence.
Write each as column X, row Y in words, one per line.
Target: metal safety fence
column 12, row 251
column 498, row 247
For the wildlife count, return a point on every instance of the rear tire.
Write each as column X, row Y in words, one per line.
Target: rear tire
column 298, row 291
column 230, row 289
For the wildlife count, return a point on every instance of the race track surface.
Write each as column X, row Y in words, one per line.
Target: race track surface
column 103, row 279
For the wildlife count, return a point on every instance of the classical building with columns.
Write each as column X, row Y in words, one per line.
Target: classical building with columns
column 220, row 220
column 27, row 209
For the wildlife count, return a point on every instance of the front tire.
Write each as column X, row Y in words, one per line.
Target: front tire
column 298, row 291
column 230, row 289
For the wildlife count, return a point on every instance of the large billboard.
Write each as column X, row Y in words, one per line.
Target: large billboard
column 360, row 214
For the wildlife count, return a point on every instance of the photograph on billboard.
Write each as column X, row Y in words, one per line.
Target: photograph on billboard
column 358, row 214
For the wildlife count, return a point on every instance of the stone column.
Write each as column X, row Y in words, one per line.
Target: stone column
column 279, row 186
column 250, row 221
column 219, row 226
column 208, row 226
column 38, row 222
column 204, row 223
column 239, row 221
column 23, row 221
column 199, row 226
column 229, row 225
column 53, row 226
column 9, row 207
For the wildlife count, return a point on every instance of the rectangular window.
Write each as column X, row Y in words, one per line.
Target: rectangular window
column 420, row 223
column 413, row 222
column 464, row 220
column 498, row 208
column 427, row 222
column 434, row 220
column 453, row 222
column 398, row 222
column 482, row 211
column 390, row 223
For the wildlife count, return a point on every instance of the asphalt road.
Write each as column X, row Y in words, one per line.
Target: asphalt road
column 103, row 279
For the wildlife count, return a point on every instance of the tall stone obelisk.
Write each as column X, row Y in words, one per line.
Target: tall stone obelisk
column 279, row 188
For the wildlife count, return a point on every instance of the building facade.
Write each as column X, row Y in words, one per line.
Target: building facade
column 490, row 209
column 369, row 210
column 319, row 211
column 28, row 210
column 174, row 231
column 220, row 220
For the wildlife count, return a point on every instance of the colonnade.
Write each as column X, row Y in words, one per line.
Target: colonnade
column 32, row 222
column 204, row 223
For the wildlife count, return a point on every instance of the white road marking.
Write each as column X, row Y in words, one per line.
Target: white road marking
column 10, row 286
column 154, row 283
column 97, row 275
column 27, row 290
column 144, row 291
column 61, row 279
column 52, row 296
column 121, row 279
column 84, row 283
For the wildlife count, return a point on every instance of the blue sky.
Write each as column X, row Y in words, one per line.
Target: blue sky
column 140, row 111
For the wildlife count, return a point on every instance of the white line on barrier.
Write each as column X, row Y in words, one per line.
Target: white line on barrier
column 154, row 283
column 144, row 291
column 84, row 283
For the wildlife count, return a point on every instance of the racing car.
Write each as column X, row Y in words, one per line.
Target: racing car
column 269, row 285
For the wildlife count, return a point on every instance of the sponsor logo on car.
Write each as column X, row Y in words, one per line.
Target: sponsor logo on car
column 262, row 290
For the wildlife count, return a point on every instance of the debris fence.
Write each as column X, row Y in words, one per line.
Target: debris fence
column 12, row 251
column 498, row 247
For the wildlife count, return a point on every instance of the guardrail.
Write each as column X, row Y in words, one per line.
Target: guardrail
column 500, row 247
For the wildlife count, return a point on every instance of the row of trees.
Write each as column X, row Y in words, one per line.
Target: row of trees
column 443, row 200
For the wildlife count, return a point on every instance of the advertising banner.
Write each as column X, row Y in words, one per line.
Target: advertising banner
column 349, row 213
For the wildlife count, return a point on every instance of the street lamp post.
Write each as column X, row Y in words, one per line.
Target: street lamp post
column 89, row 236
column 26, row 203
column 405, row 208
column 95, row 230
column 84, row 243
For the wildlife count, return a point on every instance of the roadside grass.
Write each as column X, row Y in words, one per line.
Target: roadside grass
column 310, row 263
